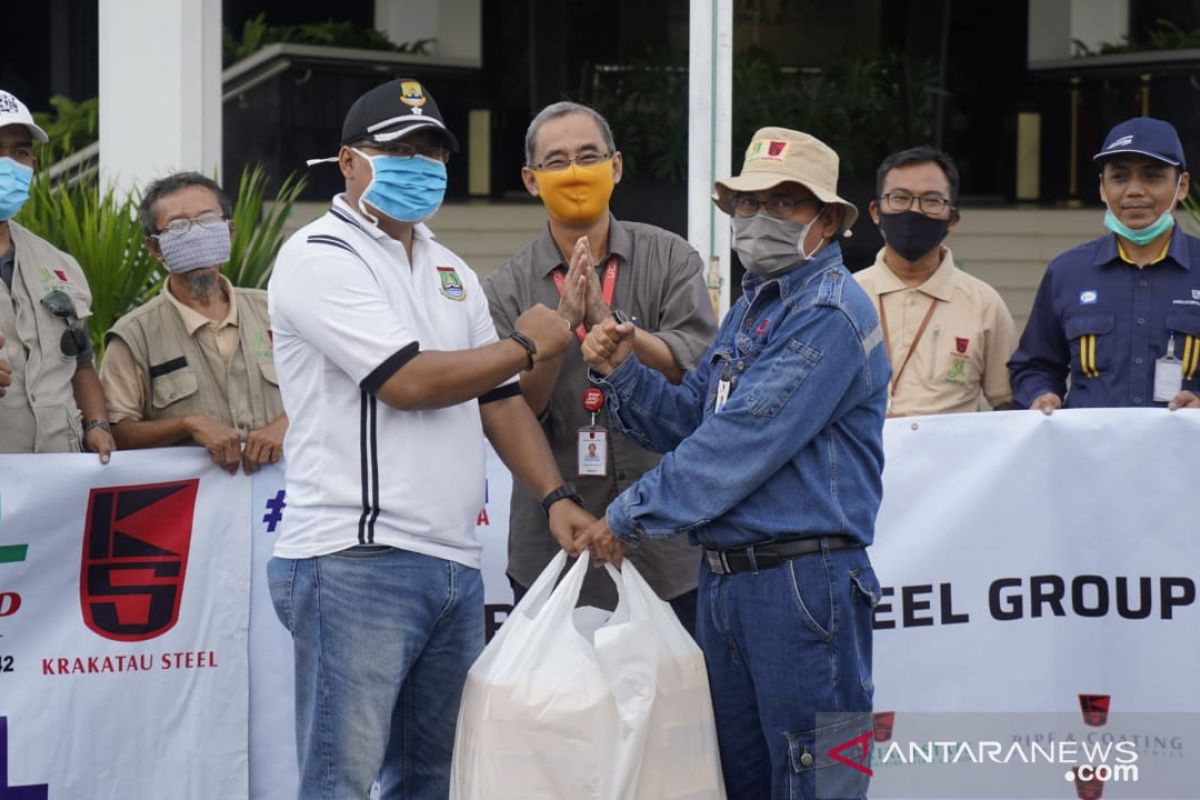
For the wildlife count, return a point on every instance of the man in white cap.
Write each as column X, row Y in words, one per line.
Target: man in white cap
column 50, row 396
column 392, row 375
column 774, row 459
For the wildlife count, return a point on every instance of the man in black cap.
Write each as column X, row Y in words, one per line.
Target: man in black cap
column 390, row 371
column 1121, row 314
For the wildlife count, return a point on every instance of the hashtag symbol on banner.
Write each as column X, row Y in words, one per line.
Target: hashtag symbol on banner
column 275, row 507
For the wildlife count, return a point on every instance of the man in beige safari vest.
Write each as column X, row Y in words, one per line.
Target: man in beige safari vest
column 195, row 364
column 50, row 398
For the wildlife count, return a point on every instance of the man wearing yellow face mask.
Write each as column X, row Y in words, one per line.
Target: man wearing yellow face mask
column 586, row 263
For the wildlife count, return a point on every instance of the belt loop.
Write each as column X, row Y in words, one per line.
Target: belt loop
column 724, row 562
column 753, row 561
column 825, row 547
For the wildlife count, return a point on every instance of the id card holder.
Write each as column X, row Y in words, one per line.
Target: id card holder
column 1168, row 375
column 593, row 452
column 723, row 387
column 1168, row 379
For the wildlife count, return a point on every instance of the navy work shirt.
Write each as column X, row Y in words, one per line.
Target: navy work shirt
column 1104, row 321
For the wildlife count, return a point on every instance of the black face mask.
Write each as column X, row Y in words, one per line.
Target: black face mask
column 911, row 233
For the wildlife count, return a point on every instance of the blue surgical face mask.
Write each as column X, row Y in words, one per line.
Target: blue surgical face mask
column 407, row 189
column 1148, row 234
column 15, row 178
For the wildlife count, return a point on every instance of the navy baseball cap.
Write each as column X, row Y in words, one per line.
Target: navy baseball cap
column 392, row 111
column 1146, row 136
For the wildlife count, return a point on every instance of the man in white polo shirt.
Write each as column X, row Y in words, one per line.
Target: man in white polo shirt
column 391, row 374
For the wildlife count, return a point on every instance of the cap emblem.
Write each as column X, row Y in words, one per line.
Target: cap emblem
column 411, row 94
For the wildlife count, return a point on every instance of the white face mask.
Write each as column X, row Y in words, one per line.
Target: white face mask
column 770, row 246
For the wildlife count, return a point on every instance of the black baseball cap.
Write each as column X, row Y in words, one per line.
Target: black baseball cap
column 392, row 111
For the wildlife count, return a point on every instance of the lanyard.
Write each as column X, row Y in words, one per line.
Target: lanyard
column 887, row 344
column 610, row 284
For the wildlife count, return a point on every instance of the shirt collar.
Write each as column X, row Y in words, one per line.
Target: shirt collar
column 939, row 285
column 794, row 279
column 547, row 258
column 352, row 216
column 1177, row 250
column 193, row 320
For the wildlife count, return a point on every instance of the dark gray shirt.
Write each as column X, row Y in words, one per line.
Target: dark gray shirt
column 659, row 281
column 7, row 261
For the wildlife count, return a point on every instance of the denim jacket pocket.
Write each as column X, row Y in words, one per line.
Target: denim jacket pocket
column 809, row 754
column 788, row 371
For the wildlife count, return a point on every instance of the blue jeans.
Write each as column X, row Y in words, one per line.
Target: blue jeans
column 784, row 645
column 383, row 640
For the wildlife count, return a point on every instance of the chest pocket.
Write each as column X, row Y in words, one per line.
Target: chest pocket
column 1185, row 324
column 1090, row 334
column 267, row 367
column 172, row 382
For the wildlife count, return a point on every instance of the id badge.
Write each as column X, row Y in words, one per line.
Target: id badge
column 593, row 452
column 1168, row 379
column 722, row 395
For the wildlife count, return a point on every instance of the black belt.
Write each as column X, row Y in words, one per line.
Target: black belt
column 771, row 554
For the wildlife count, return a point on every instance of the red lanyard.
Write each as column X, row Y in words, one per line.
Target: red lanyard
column 610, row 284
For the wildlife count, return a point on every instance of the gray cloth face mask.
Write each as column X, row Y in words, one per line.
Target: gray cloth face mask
column 198, row 247
column 769, row 246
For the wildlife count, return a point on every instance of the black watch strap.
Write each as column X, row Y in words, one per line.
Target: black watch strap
column 568, row 491
column 527, row 343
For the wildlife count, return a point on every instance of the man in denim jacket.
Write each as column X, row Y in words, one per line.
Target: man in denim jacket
column 773, row 460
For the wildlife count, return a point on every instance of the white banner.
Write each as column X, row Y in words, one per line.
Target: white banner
column 123, row 670
column 1030, row 564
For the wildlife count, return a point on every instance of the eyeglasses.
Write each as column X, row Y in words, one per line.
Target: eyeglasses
column 781, row 206
column 931, row 204
column 209, row 219
column 405, row 150
column 74, row 339
column 559, row 163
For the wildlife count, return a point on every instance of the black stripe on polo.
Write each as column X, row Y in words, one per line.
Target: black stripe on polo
column 391, row 365
column 500, row 392
column 167, row 367
column 363, row 468
column 344, row 217
column 374, row 441
column 332, row 241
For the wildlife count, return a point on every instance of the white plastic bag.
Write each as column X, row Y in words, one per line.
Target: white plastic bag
column 565, row 704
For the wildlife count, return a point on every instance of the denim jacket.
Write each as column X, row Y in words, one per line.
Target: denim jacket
column 796, row 450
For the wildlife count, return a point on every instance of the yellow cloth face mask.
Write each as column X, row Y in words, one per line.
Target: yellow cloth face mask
column 576, row 194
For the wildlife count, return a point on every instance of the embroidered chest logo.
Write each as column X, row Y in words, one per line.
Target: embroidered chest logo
column 761, row 329
column 52, row 279
column 264, row 345
column 452, row 287
column 1088, row 297
column 961, row 343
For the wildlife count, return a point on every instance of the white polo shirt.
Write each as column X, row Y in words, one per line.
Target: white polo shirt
column 347, row 311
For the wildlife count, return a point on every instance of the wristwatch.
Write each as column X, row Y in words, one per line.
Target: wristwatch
column 568, row 491
column 527, row 343
column 102, row 424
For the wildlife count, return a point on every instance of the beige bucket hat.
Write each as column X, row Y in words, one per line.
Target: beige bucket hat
column 780, row 155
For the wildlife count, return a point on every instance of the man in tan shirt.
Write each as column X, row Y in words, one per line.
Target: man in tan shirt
column 195, row 364
column 948, row 334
